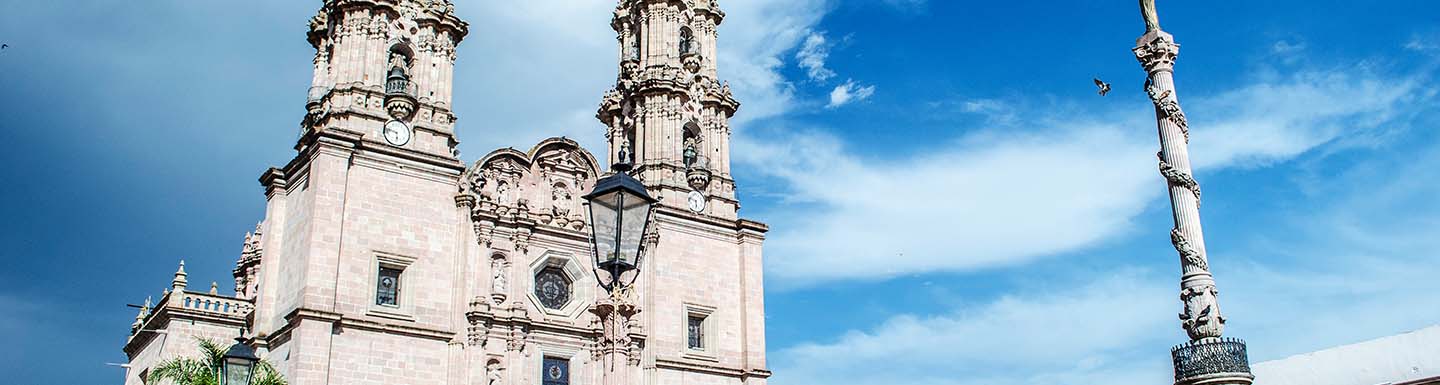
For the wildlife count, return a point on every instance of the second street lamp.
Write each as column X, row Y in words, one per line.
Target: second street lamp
column 619, row 217
column 237, row 367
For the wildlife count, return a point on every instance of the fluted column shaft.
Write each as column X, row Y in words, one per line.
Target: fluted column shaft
column 1201, row 318
column 1207, row 359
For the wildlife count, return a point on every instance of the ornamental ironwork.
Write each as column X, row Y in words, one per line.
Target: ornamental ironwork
column 1210, row 357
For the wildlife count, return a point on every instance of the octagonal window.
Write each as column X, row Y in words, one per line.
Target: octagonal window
column 552, row 287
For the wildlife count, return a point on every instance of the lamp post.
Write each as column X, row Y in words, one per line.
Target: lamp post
column 237, row 367
column 619, row 219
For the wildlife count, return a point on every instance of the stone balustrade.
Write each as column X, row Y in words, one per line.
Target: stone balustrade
column 209, row 303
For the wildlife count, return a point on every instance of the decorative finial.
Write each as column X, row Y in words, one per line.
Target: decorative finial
column 139, row 320
column 179, row 282
column 214, row 288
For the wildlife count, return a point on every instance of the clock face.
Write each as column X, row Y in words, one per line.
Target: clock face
column 397, row 133
column 696, row 201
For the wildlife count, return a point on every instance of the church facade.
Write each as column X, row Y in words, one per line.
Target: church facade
column 382, row 258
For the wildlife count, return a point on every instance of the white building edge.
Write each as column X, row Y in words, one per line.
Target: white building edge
column 1411, row 358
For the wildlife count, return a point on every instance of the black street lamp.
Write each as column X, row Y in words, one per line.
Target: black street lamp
column 619, row 217
column 238, row 365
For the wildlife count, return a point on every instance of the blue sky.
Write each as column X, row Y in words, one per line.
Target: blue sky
column 950, row 202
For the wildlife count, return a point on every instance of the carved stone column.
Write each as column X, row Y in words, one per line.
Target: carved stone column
column 1207, row 358
column 619, row 345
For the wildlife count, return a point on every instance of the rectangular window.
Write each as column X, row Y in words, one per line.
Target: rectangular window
column 387, row 286
column 555, row 371
column 696, row 325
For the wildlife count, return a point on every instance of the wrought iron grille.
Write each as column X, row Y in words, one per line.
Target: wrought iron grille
column 1210, row 356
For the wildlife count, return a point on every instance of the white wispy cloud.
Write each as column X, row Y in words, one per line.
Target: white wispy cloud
column 1355, row 266
column 849, row 92
column 1424, row 43
column 812, row 56
column 1056, row 335
column 756, row 38
column 1002, row 197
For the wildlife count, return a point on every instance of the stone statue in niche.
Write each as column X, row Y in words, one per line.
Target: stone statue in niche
column 499, row 273
column 502, row 192
column 560, row 201
column 496, row 374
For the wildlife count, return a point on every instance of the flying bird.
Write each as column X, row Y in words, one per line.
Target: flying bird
column 1104, row 87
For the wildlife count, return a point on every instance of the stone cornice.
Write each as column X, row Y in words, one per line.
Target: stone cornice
column 273, row 180
column 305, row 314
column 342, row 142
column 697, row 366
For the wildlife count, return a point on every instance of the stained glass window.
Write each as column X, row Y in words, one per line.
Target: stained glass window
column 552, row 287
column 555, row 371
column 697, row 332
column 387, row 287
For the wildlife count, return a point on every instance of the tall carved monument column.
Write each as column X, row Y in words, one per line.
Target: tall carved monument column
column 1208, row 358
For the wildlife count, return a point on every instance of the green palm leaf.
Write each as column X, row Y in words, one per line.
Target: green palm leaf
column 201, row 371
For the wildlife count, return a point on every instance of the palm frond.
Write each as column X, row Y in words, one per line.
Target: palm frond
column 201, row 371
column 211, row 351
column 183, row 371
column 265, row 374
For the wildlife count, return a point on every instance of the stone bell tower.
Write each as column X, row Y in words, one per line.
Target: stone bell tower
column 668, row 112
column 383, row 70
column 355, row 281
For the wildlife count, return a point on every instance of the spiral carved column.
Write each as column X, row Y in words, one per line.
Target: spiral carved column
column 1208, row 358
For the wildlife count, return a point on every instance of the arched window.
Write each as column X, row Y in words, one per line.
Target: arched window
column 397, row 79
column 687, row 41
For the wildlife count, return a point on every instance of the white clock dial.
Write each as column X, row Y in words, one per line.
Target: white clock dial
column 397, row 133
column 696, row 201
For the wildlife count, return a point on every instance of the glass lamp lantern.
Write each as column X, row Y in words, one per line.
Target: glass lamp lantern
column 619, row 217
column 237, row 367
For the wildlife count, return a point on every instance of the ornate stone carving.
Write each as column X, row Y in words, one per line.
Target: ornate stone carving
column 1159, row 53
column 484, row 231
column 1187, row 251
column 617, row 323
column 1201, row 317
column 521, row 239
column 1168, row 106
column 499, row 278
column 1179, row 178
column 495, row 374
